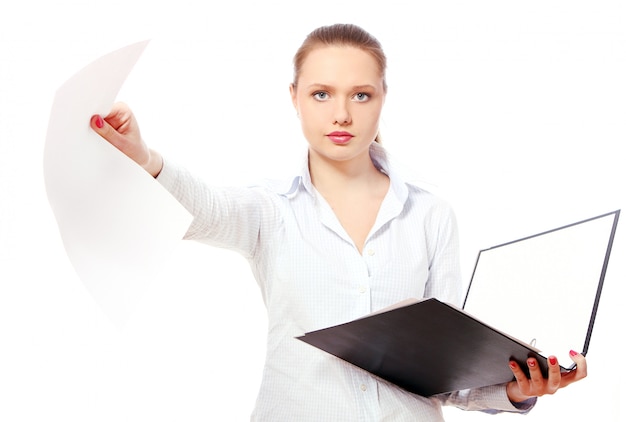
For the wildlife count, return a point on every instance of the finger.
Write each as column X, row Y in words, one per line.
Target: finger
column 577, row 374
column 522, row 380
column 119, row 116
column 536, row 377
column 97, row 124
column 581, row 363
column 104, row 129
column 554, row 375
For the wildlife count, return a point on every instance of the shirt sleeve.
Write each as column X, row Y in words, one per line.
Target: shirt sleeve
column 444, row 279
column 233, row 218
column 492, row 399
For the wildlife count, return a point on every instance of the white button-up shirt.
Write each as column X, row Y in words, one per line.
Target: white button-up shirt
column 312, row 276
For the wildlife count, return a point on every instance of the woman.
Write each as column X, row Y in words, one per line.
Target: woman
column 343, row 239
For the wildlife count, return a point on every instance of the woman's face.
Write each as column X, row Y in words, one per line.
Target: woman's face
column 339, row 97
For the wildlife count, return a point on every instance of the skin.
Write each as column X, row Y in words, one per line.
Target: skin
column 339, row 89
column 524, row 388
column 120, row 128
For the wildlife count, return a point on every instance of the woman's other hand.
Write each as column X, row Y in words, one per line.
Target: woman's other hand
column 120, row 128
column 536, row 385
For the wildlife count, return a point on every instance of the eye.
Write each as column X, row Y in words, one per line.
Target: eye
column 320, row 95
column 361, row 97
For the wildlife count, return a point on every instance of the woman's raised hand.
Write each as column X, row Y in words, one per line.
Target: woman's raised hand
column 120, row 128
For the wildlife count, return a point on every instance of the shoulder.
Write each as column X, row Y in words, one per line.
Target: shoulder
column 429, row 201
column 280, row 187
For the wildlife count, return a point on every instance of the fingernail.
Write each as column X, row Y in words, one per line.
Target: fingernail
column 99, row 122
column 572, row 353
column 512, row 365
column 531, row 363
column 552, row 360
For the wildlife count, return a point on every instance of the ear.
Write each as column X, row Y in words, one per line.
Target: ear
column 292, row 91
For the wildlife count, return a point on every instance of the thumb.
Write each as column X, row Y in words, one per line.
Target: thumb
column 102, row 128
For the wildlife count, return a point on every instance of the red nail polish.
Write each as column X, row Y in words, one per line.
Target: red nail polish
column 531, row 363
column 99, row 122
column 552, row 360
column 512, row 365
column 572, row 353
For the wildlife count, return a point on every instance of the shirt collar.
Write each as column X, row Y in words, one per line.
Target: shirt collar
column 380, row 158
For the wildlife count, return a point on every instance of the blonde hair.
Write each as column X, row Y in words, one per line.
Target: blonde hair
column 342, row 35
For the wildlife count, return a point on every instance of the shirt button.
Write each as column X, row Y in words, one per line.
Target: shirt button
column 363, row 387
column 371, row 252
column 362, row 289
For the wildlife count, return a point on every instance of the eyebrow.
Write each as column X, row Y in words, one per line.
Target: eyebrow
column 325, row 87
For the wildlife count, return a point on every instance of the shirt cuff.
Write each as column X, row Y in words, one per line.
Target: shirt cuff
column 167, row 176
column 497, row 398
column 525, row 405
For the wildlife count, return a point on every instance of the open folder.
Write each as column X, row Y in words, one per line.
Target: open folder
column 428, row 347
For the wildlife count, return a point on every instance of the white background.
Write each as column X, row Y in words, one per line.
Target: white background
column 512, row 111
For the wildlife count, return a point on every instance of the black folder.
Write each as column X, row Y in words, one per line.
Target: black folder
column 429, row 347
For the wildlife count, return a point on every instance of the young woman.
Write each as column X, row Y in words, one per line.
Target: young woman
column 346, row 237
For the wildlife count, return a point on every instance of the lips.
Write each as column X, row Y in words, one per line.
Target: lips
column 340, row 138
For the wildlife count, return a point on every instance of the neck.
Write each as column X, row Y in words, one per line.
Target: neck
column 329, row 176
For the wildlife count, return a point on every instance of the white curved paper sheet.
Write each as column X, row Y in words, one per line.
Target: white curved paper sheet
column 117, row 223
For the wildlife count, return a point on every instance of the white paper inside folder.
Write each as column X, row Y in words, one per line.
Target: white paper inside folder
column 545, row 289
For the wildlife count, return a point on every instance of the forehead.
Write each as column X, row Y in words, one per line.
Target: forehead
column 340, row 65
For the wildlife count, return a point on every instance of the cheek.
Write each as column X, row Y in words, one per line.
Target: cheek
column 306, row 125
column 368, row 118
column 311, row 119
column 375, row 111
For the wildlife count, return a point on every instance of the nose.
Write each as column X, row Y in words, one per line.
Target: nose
column 342, row 114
